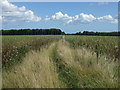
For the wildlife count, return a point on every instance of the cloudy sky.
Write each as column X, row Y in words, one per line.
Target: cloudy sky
column 67, row 16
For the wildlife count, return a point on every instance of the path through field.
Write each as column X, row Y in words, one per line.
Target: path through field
column 59, row 66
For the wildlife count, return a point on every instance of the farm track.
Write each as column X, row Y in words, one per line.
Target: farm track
column 52, row 64
column 57, row 66
column 65, row 72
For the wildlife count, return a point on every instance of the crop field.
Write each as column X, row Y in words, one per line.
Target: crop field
column 60, row 61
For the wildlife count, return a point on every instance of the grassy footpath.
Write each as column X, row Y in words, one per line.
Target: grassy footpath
column 89, row 73
column 35, row 71
column 65, row 73
column 58, row 65
column 15, row 48
column 77, row 68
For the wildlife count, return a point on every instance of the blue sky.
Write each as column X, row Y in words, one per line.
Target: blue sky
column 67, row 16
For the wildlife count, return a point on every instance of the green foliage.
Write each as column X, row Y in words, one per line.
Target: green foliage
column 65, row 72
column 14, row 48
column 33, row 32
column 103, row 45
column 98, row 33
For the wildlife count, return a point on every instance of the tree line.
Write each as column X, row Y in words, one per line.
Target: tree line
column 33, row 32
column 54, row 31
column 97, row 33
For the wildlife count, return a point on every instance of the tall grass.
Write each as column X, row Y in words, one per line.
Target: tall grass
column 89, row 74
column 51, row 62
column 14, row 48
column 102, row 45
column 35, row 71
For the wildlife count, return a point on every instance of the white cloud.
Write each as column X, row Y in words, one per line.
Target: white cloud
column 62, row 17
column 84, row 18
column 107, row 17
column 81, row 18
column 12, row 13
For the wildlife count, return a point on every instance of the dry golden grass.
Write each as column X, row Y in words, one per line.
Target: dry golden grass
column 36, row 71
column 85, row 64
column 41, row 69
